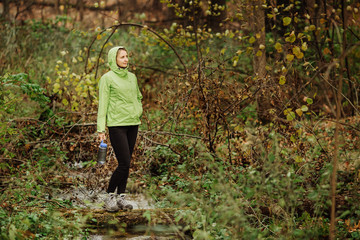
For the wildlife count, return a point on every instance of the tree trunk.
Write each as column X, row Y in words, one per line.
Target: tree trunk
column 119, row 10
column 80, row 7
column 103, row 15
column 259, row 60
column 5, row 14
column 57, row 6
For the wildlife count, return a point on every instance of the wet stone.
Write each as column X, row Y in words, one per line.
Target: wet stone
column 84, row 198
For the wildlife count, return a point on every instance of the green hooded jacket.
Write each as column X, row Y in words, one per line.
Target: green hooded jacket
column 119, row 96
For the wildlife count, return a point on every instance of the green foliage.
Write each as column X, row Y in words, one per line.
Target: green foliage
column 31, row 187
column 21, row 80
column 274, row 198
column 14, row 90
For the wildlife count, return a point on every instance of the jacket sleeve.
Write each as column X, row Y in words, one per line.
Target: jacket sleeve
column 104, row 94
column 139, row 95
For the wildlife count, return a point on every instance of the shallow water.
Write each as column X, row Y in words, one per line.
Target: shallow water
column 84, row 198
column 141, row 232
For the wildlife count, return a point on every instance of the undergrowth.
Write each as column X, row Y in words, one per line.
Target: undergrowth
column 275, row 197
column 230, row 176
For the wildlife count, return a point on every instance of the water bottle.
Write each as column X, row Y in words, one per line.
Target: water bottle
column 102, row 153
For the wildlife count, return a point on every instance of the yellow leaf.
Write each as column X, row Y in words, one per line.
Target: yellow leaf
column 56, row 86
column 98, row 37
column 252, row 40
column 291, row 38
column 300, row 55
column 312, row 27
column 249, row 50
column 65, row 102
column 278, row 47
column 296, row 50
column 289, row 57
column 259, row 53
column 286, row 21
column 290, row 116
column 304, row 46
column 299, row 112
column 287, row 111
column 282, row 80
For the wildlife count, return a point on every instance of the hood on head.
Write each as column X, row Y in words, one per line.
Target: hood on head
column 112, row 60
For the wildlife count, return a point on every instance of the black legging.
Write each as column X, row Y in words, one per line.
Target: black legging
column 122, row 140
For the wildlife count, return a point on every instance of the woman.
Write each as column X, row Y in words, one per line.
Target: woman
column 119, row 109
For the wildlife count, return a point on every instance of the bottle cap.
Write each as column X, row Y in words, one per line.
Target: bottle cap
column 102, row 144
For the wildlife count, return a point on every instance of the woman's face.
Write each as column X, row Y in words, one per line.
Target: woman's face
column 122, row 58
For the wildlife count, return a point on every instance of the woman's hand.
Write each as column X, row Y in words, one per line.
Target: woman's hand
column 102, row 136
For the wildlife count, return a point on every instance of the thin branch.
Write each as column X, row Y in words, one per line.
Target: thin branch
column 71, row 5
column 169, row 133
column 162, row 144
column 115, row 27
column 355, row 35
column 47, row 200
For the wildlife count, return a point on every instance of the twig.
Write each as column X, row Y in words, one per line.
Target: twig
column 47, row 200
column 81, row 125
column 162, row 144
column 342, row 123
column 115, row 27
column 13, row 159
column 71, row 5
column 71, row 128
column 169, row 133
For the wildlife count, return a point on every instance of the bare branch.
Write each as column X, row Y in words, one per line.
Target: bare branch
column 115, row 27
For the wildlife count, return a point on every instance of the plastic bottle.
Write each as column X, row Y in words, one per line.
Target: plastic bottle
column 102, row 153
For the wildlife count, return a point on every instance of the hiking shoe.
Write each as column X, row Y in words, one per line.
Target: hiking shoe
column 110, row 203
column 122, row 203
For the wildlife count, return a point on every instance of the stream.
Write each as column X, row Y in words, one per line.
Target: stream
column 139, row 232
column 86, row 199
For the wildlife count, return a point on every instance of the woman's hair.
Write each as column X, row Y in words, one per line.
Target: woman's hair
column 122, row 48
